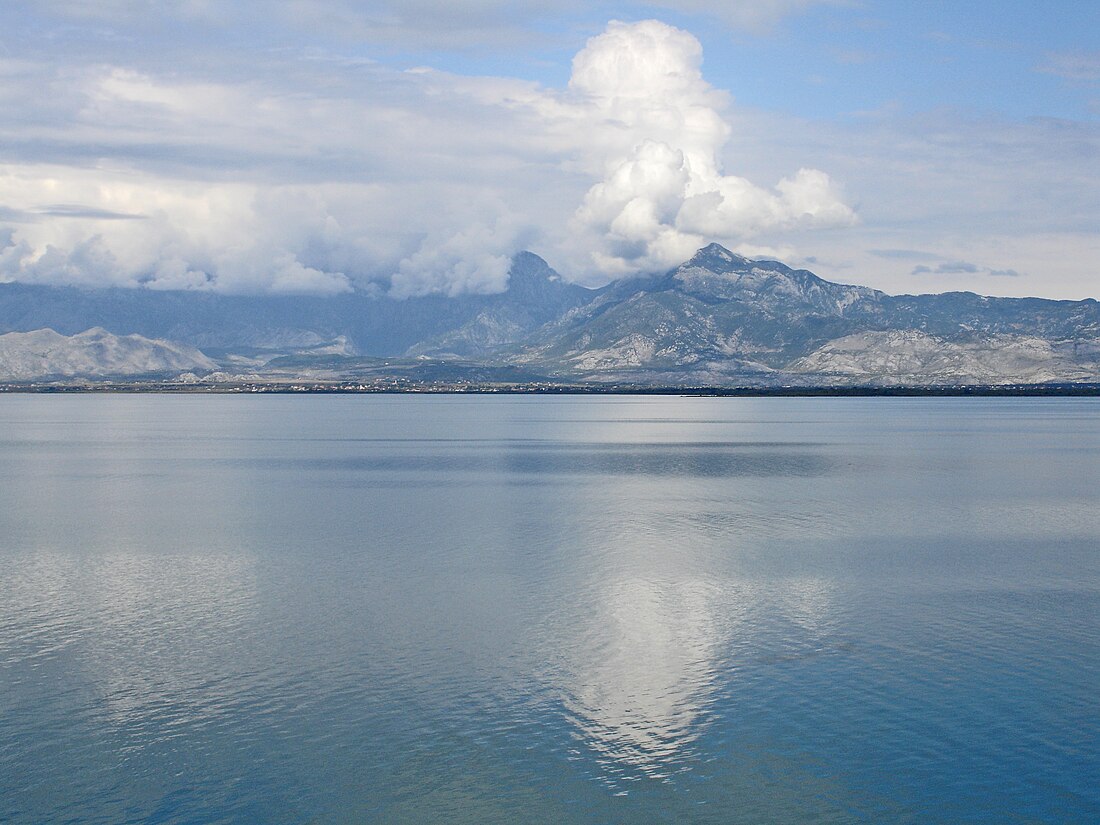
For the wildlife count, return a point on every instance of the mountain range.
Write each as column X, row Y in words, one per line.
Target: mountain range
column 718, row 319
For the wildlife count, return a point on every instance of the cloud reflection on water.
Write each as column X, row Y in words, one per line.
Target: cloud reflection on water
column 667, row 618
column 644, row 673
column 654, row 655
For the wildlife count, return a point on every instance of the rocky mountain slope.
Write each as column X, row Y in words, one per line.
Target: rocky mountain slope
column 721, row 318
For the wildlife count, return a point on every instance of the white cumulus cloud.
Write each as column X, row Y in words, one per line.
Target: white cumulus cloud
column 660, row 132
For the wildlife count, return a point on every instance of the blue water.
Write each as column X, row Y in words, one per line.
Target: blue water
column 549, row 609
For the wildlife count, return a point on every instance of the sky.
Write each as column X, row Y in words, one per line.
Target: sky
column 286, row 146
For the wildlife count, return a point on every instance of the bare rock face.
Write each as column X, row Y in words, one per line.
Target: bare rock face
column 43, row 353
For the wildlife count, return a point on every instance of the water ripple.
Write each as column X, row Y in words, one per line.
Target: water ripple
column 462, row 610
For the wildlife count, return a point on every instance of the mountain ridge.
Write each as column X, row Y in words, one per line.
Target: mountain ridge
column 718, row 318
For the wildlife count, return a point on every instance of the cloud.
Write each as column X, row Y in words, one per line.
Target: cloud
column 231, row 238
column 1081, row 67
column 660, row 131
column 408, row 24
column 757, row 16
column 854, row 57
column 472, row 260
column 963, row 268
column 1003, row 192
column 76, row 210
column 317, row 175
column 249, row 163
column 10, row 215
column 903, row 254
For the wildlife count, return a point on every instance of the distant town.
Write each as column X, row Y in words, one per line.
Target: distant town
column 399, row 386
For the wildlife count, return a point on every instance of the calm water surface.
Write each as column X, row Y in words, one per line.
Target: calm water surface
column 549, row 609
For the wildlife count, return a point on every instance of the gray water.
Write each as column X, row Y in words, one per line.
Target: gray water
column 549, row 609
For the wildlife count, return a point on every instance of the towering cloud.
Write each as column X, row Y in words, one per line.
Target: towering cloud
column 663, row 191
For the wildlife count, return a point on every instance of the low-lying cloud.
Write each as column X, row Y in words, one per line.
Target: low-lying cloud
column 963, row 268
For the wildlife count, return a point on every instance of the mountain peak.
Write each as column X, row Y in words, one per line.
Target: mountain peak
column 716, row 252
column 529, row 268
column 527, row 258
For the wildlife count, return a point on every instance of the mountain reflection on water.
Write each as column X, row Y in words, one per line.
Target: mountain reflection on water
column 548, row 609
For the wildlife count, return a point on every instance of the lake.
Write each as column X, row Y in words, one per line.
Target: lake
column 548, row 609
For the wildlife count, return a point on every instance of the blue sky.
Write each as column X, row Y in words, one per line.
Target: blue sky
column 280, row 145
column 832, row 61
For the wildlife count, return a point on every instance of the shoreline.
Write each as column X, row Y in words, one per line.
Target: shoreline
column 355, row 388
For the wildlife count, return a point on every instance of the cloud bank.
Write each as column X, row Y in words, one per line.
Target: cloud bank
column 314, row 174
column 272, row 145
